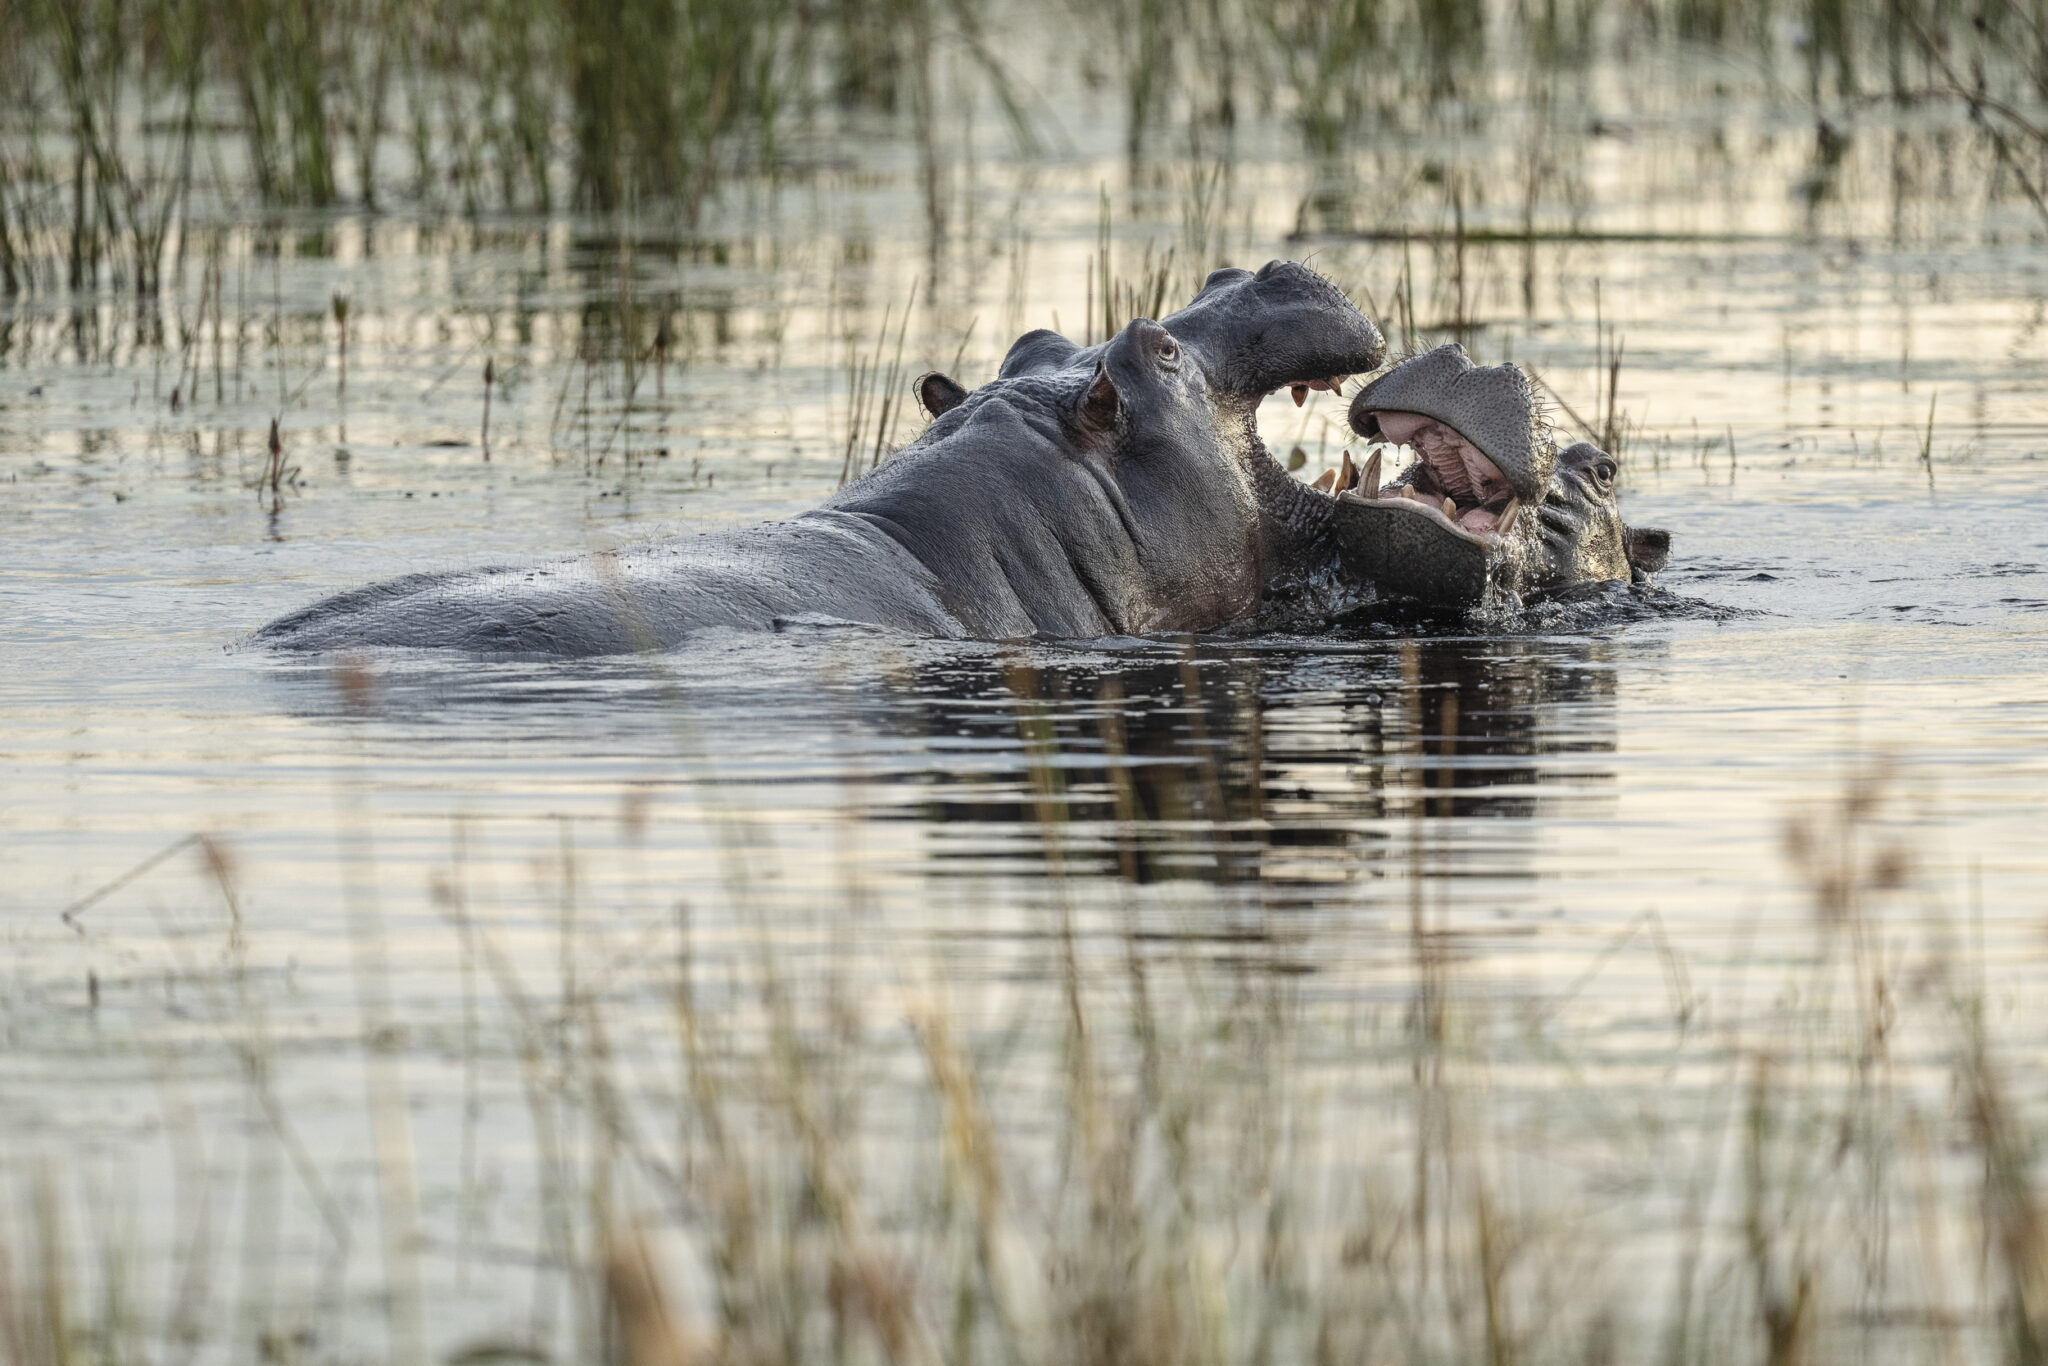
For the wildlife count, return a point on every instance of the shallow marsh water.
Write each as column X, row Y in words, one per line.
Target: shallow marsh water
column 1507, row 911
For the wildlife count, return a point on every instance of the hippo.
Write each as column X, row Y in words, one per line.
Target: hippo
column 1114, row 489
column 1489, row 512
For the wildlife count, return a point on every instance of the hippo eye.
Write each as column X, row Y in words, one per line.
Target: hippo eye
column 1169, row 352
column 1603, row 472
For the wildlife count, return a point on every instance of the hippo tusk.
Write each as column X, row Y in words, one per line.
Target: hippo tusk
column 1300, row 394
column 1347, row 474
column 1326, row 480
column 1369, row 481
column 1337, row 384
column 1507, row 517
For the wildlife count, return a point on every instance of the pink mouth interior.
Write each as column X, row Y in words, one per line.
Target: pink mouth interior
column 1472, row 481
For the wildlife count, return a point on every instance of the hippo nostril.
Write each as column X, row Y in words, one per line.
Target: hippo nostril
column 1224, row 276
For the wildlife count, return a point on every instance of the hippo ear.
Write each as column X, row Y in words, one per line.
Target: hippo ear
column 1649, row 548
column 1036, row 351
column 939, row 394
column 1227, row 275
column 1099, row 406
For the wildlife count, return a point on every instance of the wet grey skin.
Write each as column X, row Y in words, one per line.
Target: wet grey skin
column 1562, row 514
column 1115, row 489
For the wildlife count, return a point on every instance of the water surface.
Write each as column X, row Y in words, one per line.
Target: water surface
column 381, row 1061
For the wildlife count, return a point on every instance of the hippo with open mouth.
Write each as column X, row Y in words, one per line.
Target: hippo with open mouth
column 1114, row 489
column 1489, row 511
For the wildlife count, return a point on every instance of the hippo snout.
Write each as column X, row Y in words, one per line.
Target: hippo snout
column 1282, row 326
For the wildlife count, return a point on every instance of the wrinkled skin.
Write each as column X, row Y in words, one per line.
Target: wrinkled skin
column 1114, row 489
column 1577, row 535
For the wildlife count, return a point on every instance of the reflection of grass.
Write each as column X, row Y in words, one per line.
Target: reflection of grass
column 791, row 1139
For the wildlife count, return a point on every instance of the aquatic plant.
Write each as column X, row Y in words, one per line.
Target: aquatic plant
column 663, row 100
column 779, row 1140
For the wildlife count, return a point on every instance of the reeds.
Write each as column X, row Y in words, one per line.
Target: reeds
column 875, row 392
column 783, row 1139
column 106, row 108
column 1328, row 53
column 276, row 55
column 1609, row 427
column 1113, row 299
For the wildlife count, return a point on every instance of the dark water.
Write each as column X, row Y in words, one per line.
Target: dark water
column 1572, row 824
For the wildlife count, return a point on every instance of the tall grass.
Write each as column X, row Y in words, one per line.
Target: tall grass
column 798, row 1135
column 111, row 109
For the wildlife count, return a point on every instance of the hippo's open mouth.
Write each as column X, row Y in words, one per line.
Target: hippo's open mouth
column 1435, row 531
column 1488, row 506
column 1447, row 481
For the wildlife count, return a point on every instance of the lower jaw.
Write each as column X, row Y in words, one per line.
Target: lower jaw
column 1460, row 516
column 1488, row 538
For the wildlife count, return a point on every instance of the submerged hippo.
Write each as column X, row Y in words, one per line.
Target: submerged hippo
column 1489, row 511
column 1115, row 489
column 1120, row 488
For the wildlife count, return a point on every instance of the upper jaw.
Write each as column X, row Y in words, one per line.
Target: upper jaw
column 1330, row 384
column 1247, row 378
column 1351, row 346
column 1283, row 326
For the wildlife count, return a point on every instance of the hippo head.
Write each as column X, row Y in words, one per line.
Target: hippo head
column 1284, row 327
column 1123, row 485
column 1577, row 535
column 1487, row 504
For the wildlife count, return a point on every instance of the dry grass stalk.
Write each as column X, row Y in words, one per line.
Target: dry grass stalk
column 645, row 1330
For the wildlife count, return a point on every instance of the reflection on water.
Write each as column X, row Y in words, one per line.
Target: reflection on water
column 1590, row 985
column 1147, row 935
column 1263, row 767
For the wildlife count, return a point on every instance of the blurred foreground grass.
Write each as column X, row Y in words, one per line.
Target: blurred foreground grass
column 1242, row 1138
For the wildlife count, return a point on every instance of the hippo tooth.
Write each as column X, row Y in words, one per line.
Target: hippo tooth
column 1347, row 474
column 1337, row 384
column 1326, row 479
column 1507, row 517
column 1451, row 508
column 1300, row 394
column 1369, row 482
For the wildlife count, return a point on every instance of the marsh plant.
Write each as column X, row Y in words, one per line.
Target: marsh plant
column 117, row 115
column 1165, row 1124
